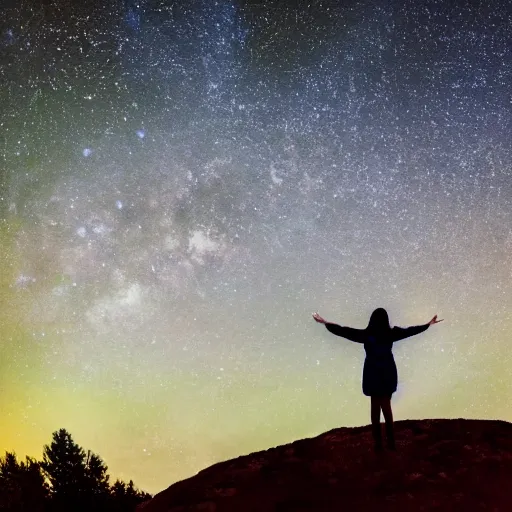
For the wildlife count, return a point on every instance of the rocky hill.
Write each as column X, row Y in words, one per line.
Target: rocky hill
column 442, row 465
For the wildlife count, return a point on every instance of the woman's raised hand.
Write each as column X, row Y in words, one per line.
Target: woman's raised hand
column 319, row 319
column 434, row 321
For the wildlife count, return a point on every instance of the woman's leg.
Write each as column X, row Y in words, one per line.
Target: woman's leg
column 375, row 412
column 375, row 415
column 388, row 418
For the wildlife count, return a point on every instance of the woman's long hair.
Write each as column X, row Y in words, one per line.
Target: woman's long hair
column 379, row 321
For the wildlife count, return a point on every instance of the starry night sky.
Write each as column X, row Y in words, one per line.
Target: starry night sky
column 183, row 183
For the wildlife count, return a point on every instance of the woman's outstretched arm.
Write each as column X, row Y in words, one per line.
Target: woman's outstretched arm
column 400, row 333
column 349, row 333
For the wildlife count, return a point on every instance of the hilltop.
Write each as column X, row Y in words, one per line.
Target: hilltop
column 441, row 464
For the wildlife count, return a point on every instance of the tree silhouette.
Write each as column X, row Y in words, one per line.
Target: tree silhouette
column 68, row 479
column 63, row 463
column 125, row 497
column 22, row 485
column 78, row 481
column 97, row 489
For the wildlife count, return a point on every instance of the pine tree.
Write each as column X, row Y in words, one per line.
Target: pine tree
column 125, row 497
column 64, row 462
column 78, row 481
column 22, row 485
column 96, row 477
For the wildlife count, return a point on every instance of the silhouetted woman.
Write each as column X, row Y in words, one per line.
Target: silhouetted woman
column 379, row 373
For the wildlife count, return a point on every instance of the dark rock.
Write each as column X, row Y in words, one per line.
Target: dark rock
column 440, row 465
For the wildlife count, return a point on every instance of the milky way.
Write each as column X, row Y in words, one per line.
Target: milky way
column 181, row 187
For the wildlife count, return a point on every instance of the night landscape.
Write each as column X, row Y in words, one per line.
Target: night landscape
column 183, row 184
